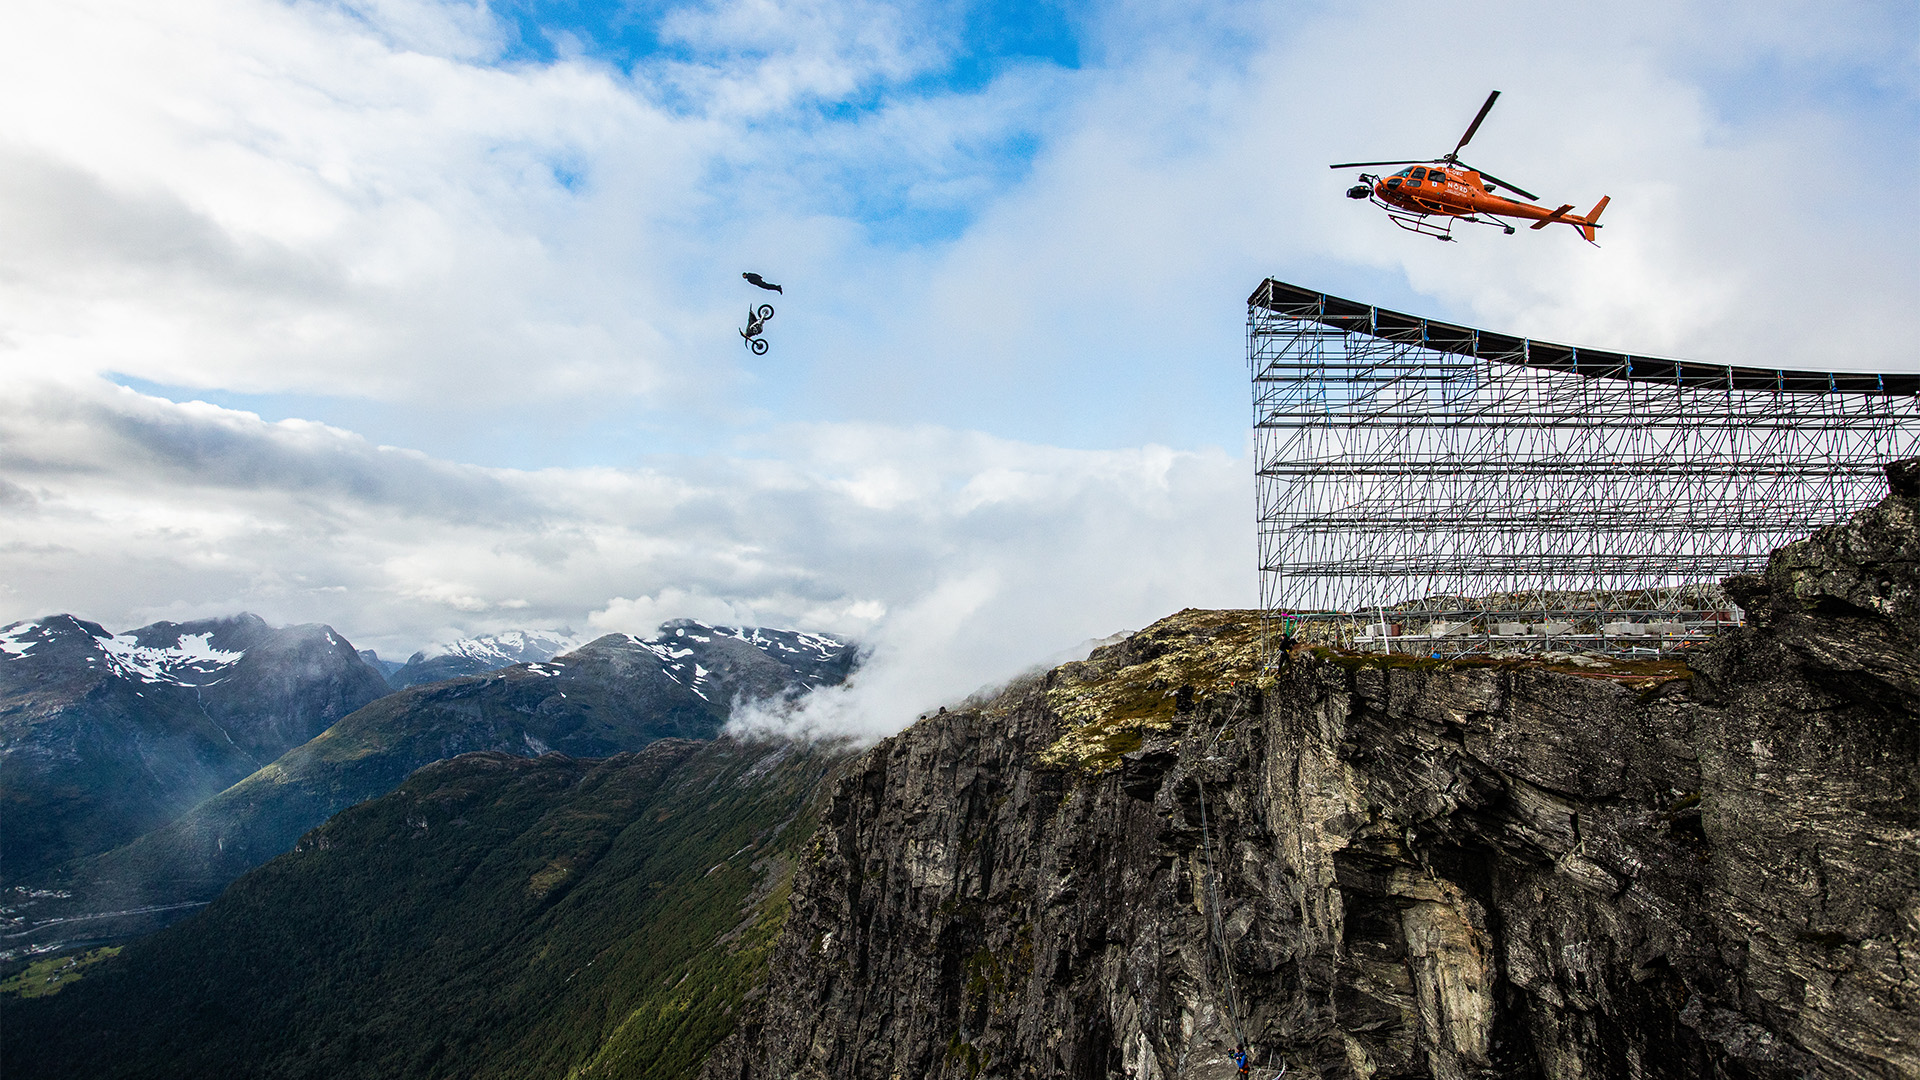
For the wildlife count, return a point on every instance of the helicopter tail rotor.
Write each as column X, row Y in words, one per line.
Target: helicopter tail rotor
column 1592, row 220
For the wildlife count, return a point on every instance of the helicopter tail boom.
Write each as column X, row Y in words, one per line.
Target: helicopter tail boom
column 1586, row 224
column 1559, row 214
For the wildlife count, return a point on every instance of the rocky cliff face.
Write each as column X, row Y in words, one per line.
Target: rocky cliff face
column 1385, row 867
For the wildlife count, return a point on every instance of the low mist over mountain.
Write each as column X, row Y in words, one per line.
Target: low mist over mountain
column 617, row 693
column 386, row 668
column 477, row 656
column 104, row 736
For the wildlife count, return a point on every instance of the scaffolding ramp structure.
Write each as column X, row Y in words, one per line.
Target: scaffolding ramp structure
column 1441, row 490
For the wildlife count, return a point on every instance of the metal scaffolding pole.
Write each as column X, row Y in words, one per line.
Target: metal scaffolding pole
column 1465, row 491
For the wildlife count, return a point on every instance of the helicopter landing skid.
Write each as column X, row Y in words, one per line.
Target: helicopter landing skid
column 1419, row 224
column 1425, row 226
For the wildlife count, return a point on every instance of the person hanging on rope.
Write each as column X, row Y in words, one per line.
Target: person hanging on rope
column 1241, row 1060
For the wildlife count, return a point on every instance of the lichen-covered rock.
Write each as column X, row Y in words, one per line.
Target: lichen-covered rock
column 1386, row 867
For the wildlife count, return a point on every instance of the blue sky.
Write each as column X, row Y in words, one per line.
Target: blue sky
column 926, row 128
column 983, row 37
column 458, row 286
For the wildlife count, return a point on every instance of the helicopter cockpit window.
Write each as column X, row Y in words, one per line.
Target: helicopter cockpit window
column 1419, row 174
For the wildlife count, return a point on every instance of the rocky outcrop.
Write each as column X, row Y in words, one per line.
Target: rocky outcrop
column 1388, row 867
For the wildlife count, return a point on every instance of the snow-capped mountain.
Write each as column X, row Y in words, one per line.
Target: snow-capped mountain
column 810, row 659
column 474, row 656
column 161, row 653
column 104, row 736
column 615, row 694
column 679, row 645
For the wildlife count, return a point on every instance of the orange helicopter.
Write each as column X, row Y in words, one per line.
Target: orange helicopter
column 1449, row 188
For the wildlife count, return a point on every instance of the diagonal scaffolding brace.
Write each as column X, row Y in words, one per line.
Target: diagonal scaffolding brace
column 1449, row 490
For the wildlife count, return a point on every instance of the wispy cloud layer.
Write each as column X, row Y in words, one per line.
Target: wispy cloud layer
column 362, row 200
column 961, row 556
column 396, row 224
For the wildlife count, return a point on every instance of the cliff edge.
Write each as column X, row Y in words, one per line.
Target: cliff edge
column 1381, row 867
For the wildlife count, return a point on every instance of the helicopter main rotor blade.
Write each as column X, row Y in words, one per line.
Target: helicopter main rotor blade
column 1475, row 126
column 1364, row 164
column 1515, row 188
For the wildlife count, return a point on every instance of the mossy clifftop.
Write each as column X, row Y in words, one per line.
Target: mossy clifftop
column 1117, row 697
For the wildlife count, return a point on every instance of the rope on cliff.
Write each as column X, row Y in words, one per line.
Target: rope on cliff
column 1215, row 924
column 1213, row 919
column 1212, row 892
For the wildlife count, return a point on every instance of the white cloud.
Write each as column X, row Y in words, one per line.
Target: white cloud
column 643, row 615
column 983, row 555
column 352, row 201
column 761, row 56
column 1178, row 182
column 534, row 263
column 260, row 196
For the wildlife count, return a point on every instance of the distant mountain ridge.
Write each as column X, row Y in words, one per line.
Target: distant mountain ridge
column 478, row 655
column 617, row 693
column 386, row 668
column 162, row 652
column 816, row 659
column 105, row 736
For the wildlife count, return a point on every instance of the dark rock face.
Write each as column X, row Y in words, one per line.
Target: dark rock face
column 103, row 737
column 1903, row 478
column 1383, row 867
column 1814, row 840
column 288, row 685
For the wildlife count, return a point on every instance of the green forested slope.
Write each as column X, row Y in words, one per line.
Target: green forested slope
column 495, row 916
column 608, row 697
column 616, row 693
